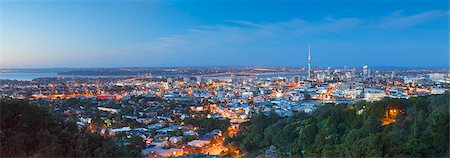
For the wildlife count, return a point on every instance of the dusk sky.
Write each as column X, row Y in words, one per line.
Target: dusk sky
column 38, row 34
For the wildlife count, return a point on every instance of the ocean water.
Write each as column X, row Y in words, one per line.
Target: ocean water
column 25, row 76
column 281, row 75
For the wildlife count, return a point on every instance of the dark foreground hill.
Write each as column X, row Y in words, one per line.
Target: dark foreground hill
column 415, row 127
column 30, row 131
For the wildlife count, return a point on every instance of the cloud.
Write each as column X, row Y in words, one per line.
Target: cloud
column 248, row 39
column 243, row 23
column 196, row 40
column 241, row 31
column 397, row 20
column 235, row 32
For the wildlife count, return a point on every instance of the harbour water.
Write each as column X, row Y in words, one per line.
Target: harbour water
column 281, row 75
column 25, row 76
column 29, row 76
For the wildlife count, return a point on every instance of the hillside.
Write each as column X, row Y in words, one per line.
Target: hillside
column 30, row 131
column 415, row 127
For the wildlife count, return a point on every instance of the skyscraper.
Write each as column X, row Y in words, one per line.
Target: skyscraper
column 329, row 71
column 309, row 62
column 365, row 71
column 354, row 71
column 199, row 79
column 296, row 79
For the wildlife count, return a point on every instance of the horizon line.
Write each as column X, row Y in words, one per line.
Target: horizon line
column 273, row 66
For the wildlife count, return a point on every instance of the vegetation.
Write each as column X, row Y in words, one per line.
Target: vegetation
column 421, row 129
column 134, row 148
column 32, row 131
column 209, row 124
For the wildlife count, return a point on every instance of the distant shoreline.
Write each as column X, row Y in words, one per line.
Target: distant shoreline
column 65, row 69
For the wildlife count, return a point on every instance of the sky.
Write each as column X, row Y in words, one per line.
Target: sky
column 85, row 33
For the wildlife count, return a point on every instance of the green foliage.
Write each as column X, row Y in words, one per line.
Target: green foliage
column 133, row 149
column 31, row 131
column 189, row 138
column 177, row 132
column 339, row 131
column 255, row 132
column 209, row 124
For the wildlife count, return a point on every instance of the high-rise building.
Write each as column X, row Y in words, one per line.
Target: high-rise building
column 169, row 80
column 365, row 70
column 329, row 71
column 296, row 79
column 436, row 76
column 186, row 79
column 354, row 71
column 199, row 79
column 309, row 62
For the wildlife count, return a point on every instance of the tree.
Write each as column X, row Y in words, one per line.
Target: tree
column 135, row 146
column 29, row 131
column 420, row 130
column 209, row 124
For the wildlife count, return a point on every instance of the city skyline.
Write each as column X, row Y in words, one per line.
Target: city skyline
column 224, row 78
column 184, row 34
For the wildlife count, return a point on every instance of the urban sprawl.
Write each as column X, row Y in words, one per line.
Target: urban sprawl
column 165, row 110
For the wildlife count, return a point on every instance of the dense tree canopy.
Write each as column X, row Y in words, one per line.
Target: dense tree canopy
column 29, row 131
column 420, row 129
column 209, row 124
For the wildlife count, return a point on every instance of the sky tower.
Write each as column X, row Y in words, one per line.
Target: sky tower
column 309, row 62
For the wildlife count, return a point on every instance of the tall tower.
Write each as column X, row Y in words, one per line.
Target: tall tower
column 365, row 71
column 309, row 62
